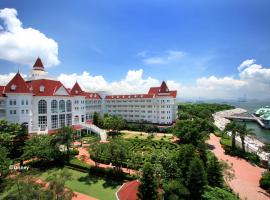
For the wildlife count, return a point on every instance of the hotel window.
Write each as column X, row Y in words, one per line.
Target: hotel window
column 14, row 102
column 26, row 102
column 54, row 106
column 68, row 106
column 10, row 112
column 69, row 119
column 62, row 119
column 42, row 107
column 10, row 102
column 62, row 106
column 26, row 111
column 22, row 111
column 42, row 122
column 54, row 119
column 82, row 118
column 22, row 102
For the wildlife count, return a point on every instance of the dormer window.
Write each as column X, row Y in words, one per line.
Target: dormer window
column 42, row 88
column 76, row 91
column 167, row 90
column 13, row 87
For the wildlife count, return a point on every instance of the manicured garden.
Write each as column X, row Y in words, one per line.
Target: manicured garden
column 130, row 135
column 100, row 188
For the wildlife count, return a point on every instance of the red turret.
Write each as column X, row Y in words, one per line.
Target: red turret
column 38, row 65
column 163, row 88
column 77, row 90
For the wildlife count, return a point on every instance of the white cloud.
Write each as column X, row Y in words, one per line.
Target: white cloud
column 168, row 57
column 133, row 82
column 23, row 45
column 245, row 64
column 227, row 83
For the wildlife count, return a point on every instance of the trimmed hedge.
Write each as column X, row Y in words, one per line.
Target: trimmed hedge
column 265, row 181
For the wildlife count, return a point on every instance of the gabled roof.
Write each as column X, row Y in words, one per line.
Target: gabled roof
column 152, row 93
column 77, row 90
column 2, row 88
column 131, row 96
column 17, row 85
column 50, row 87
column 38, row 65
column 91, row 95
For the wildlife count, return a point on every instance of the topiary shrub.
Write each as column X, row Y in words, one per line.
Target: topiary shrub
column 265, row 181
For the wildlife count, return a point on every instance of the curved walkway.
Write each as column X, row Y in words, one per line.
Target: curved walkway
column 247, row 176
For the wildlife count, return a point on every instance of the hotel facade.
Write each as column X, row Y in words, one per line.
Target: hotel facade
column 45, row 104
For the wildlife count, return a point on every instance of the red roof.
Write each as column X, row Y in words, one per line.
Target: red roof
column 129, row 191
column 77, row 90
column 131, row 96
column 90, row 95
column 50, row 87
column 17, row 85
column 152, row 93
column 38, row 65
column 2, row 88
column 163, row 87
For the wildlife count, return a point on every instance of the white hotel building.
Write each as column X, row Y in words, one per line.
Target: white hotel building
column 45, row 104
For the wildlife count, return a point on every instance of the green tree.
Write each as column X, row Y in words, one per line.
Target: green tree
column 216, row 193
column 43, row 147
column 148, row 188
column 243, row 131
column 57, row 182
column 114, row 123
column 25, row 188
column 95, row 118
column 265, row 181
column 196, row 179
column 193, row 131
column 66, row 137
column 5, row 162
column 184, row 156
column 214, row 171
column 233, row 128
column 175, row 190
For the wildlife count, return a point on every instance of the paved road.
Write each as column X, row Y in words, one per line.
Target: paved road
column 247, row 176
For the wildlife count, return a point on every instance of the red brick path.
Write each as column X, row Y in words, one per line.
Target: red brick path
column 247, row 176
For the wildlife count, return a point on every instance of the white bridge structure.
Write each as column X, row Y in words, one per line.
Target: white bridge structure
column 93, row 128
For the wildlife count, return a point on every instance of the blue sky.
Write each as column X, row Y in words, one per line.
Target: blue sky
column 181, row 41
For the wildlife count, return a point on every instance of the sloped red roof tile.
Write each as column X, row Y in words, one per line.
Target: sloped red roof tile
column 153, row 92
column 38, row 65
column 17, row 85
column 50, row 87
column 2, row 88
column 91, row 95
column 77, row 90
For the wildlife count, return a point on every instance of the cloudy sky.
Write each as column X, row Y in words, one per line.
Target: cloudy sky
column 211, row 49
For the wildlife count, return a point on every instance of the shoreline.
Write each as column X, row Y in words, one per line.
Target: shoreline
column 253, row 145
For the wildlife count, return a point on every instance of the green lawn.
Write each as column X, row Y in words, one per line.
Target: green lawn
column 226, row 140
column 125, row 135
column 94, row 186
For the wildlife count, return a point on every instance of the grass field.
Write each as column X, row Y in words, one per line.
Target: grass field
column 94, row 186
column 143, row 136
column 226, row 140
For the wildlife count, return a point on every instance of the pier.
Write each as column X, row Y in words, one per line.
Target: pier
column 246, row 117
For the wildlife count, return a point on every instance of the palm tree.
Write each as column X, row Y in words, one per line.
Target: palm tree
column 66, row 137
column 232, row 127
column 243, row 131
